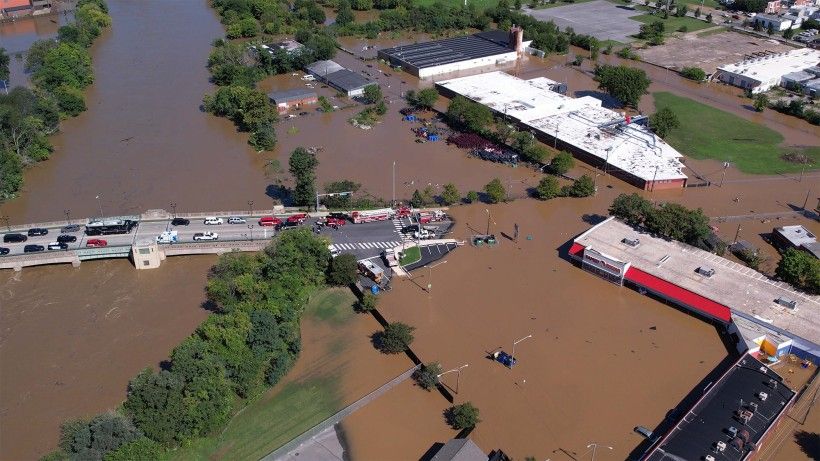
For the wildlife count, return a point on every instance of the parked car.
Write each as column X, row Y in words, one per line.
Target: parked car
column 236, row 220
column 14, row 238
column 33, row 248
column 297, row 218
column 35, row 231
column 287, row 225
column 212, row 221
column 180, row 222
column 206, row 236
column 96, row 243
column 4, row 251
column 63, row 238
column 269, row 221
column 424, row 234
column 70, row 228
column 57, row 246
column 334, row 251
column 410, row 229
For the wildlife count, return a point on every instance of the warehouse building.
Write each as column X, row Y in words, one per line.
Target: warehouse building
column 706, row 285
column 620, row 145
column 762, row 72
column 456, row 54
column 292, row 99
column 340, row 78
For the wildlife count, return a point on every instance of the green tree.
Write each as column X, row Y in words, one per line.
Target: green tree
column 11, row 174
column 676, row 222
column 367, row 303
column 395, row 338
column 770, row 29
column 663, row 121
column 788, row 33
column 94, row 438
column 427, row 375
column 423, row 99
column 581, row 187
column 344, row 15
column 372, row 94
column 36, row 54
column 462, row 416
column 70, row 100
column 141, row 449
column 761, row 101
column 625, row 84
column 450, row 194
column 263, row 138
column 469, row 115
column 800, row 269
column 64, row 64
column 631, row 208
column 4, row 65
column 693, row 73
column 342, row 270
column 495, row 191
column 471, row 196
column 535, row 153
column 417, row 200
column 547, row 188
column 303, row 168
column 562, row 163
column 652, row 32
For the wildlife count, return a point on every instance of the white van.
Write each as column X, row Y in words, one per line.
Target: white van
column 212, row 221
column 167, row 237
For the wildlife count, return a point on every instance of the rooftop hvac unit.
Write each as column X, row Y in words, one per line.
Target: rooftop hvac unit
column 763, row 396
column 706, row 271
column 721, row 446
column 709, row 458
column 763, row 369
column 753, row 406
column 732, row 431
column 633, row 242
column 773, row 383
column 787, row 302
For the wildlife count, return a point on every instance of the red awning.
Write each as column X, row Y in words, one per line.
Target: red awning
column 682, row 295
column 575, row 249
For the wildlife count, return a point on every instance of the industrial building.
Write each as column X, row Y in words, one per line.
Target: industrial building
column 762, row 72
column 292, row 99
column 456, row 54
column 797, row 237
column 732, row 420
column 599, row 136
column 340, row 78
column 706, row 285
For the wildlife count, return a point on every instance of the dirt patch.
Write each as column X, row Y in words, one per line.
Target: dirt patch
column 73, row 338
column 707, row 51
column 597, row 352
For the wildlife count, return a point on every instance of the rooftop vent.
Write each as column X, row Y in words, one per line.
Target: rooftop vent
column 705, row 271
column 709, row 458
column 786, row 302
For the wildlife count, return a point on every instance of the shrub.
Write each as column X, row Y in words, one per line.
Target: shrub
column 693, row 73
column 472, row 196
column 93, row 439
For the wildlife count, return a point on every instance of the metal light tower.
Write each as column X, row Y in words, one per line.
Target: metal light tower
column 100, row 204
column 250, row 208
column 458, row 376
column 430, row 282
column 394, row 183
column 512, row 356
column 67, row 216
column 488, row 220
column 594, row 446
column 174, row 209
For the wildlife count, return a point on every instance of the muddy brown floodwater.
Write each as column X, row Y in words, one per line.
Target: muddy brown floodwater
column 71, row 340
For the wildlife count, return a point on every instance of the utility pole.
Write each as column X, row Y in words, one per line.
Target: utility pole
column 488, row 221
column 67, row 216
column 737, row 234
column 250, row 208
column 100, row 204
column 655, row 176
column 250, row 228
column 806, row 202
column 394, row 172
column 174, row 209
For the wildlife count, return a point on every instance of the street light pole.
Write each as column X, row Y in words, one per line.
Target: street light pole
column 67, row 216
column 488, row 220
column 250, row 228
column 430, row 274
column 394, row 183
column 512, row 356
column 250, row 208
column 174, row 209
column 100, row 204
column 458, row 376
column 594, row 446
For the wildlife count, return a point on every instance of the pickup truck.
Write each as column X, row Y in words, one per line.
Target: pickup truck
column 424, row 234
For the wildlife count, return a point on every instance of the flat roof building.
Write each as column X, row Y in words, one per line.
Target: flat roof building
column 459, row 53
column 295, row 98
column 796, row 237
column 732, row 420
column 760, row 73
column 593, row 133
column 340, row 78
column 699, row 281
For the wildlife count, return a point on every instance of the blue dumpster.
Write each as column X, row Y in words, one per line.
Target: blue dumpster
column 374, row 289
column 432, row 137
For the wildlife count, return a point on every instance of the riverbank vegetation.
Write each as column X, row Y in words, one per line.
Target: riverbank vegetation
column 247, row 345
column 752, row 147
column 60, row 71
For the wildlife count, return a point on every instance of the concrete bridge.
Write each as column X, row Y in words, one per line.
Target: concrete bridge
column 140, row 245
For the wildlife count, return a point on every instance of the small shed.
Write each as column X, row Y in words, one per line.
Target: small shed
column 347, row 82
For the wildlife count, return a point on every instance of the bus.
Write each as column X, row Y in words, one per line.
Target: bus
column 109, row 227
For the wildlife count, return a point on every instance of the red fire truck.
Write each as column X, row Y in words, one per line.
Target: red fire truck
column 382, row 214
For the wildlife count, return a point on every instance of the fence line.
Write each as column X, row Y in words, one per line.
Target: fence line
column 333, row 420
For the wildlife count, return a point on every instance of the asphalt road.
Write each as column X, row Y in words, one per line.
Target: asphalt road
column 365, row 240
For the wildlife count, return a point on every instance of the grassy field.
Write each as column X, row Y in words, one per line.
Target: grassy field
column 480, row 4
column 410, row 256
column 673, row 23
column 286, row 411
column 716, row 30
column 709, row 133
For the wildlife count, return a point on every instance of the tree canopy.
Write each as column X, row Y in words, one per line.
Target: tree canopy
column 395, row 338
column 462, row 416
column 562, row 163
column 469, row 115
column 663, row 121
column 422, row 99
column 343, row 270
column 547, row 188
column 495, row 191
column 303, row 168
column 626, row 84
column 800, row 269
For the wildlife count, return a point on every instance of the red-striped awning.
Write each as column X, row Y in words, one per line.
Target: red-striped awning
column 682, row 295
column 575, row 249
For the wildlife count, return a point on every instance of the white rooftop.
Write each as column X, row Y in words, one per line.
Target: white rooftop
column 775, row 65
column 631, row 148
column 745, row 291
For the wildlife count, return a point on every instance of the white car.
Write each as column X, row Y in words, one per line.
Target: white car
column 214, row 221
column 206, row 236
column 333, row 251
column 423, row 234
column 236, row 220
